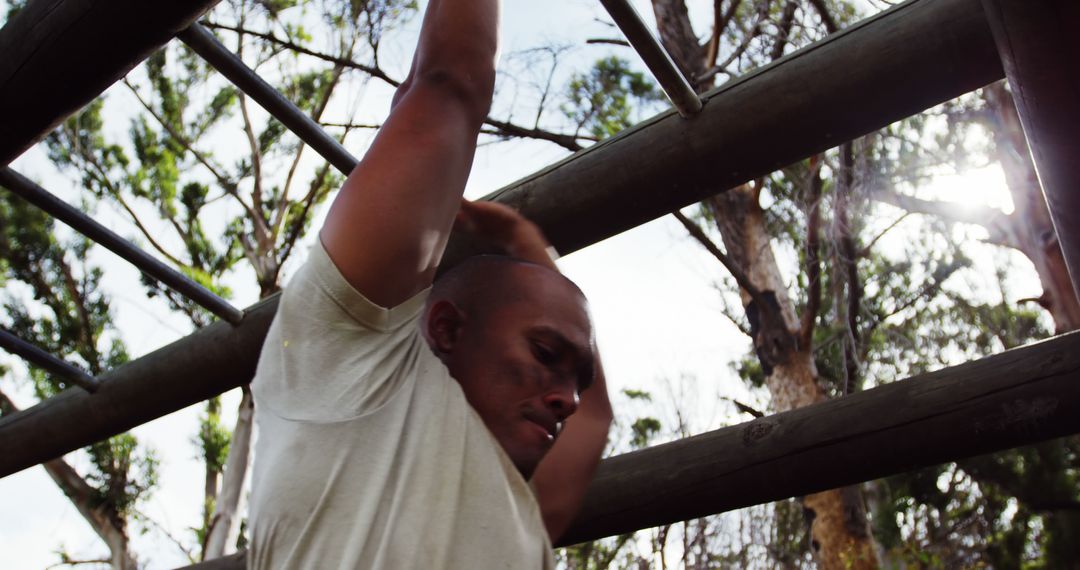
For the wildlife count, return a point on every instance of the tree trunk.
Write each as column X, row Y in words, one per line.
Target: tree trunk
column 840, row 533
column 212, row 472
column 839, row 530
column 224, row 526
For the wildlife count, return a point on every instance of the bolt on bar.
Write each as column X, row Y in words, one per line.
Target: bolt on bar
column 233, row 68
column 43, row 359
column 82, row 223
column 656, row 58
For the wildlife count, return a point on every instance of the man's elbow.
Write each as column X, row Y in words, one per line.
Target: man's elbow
column 471, row 86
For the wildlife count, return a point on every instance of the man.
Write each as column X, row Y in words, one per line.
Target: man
column 402, row 423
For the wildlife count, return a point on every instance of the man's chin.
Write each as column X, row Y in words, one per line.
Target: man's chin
column 527, row 462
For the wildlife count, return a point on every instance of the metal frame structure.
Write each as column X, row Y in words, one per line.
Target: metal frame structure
column 888, row 67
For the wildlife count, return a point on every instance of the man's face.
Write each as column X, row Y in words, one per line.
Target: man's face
column 522, row 363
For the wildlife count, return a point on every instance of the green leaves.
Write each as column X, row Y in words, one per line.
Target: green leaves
column 124, row 473
column 604, row 100
column 642, row 430
column 69, row 316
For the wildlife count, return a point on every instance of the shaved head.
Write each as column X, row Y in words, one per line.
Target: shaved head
column 484, row 282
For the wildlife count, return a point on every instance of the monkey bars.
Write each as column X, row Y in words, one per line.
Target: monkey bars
column 854, row 82
column 885, row 68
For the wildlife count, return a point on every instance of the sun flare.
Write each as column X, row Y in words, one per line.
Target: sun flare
column 981, row 187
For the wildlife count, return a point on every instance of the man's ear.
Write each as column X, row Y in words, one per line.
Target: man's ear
column 442, row 328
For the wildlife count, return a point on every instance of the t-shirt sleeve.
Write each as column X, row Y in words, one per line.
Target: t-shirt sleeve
column 331, row 353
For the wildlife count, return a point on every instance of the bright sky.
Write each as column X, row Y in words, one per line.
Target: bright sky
column 652, row 290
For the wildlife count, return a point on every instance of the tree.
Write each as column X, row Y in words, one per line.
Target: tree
column 52, row 298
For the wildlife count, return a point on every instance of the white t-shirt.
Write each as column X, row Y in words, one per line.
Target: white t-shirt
column 368, row 455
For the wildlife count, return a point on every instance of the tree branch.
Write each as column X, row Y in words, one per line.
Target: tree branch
column 813, row 254
column 69, row 562
column 865, row 251
column 115, row 194
column 993, row 220
column 86, row 329
column 316, row 114
column 721, row 18
column 226, row 184
column 849, row 263
column 258, row 221
column 184, row 142
column 568, row 142
column 741, row 278
column 787, row 18
column 288, row 44
column 611, row 41
column 99, row 514
column 298, row 224
column 750, row 36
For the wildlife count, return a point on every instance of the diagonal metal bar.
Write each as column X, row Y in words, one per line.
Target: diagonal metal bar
column 42, row 359
column 233, row 68
column 656, row 58
column 82, row 223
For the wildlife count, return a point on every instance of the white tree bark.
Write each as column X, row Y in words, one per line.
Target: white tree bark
column 224, row 525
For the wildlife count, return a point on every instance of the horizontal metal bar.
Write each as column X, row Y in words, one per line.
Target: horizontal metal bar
column 233, row 68
column 656, row 58
column 42, row 359
column 82, row 223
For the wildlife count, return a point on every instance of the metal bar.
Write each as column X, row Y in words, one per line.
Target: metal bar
column 233, row 68
column 58, row 55
column 900, row 62
column 1038, row 48
column 656, row 58
column 46, row 361
column 38, row 196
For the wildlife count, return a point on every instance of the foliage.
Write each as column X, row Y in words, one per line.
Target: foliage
column 53, row 298
column 602, row 101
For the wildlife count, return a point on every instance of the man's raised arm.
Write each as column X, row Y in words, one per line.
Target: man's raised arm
column 388, row 227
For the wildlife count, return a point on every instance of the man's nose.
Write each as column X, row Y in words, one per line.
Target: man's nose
column 562, row 401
